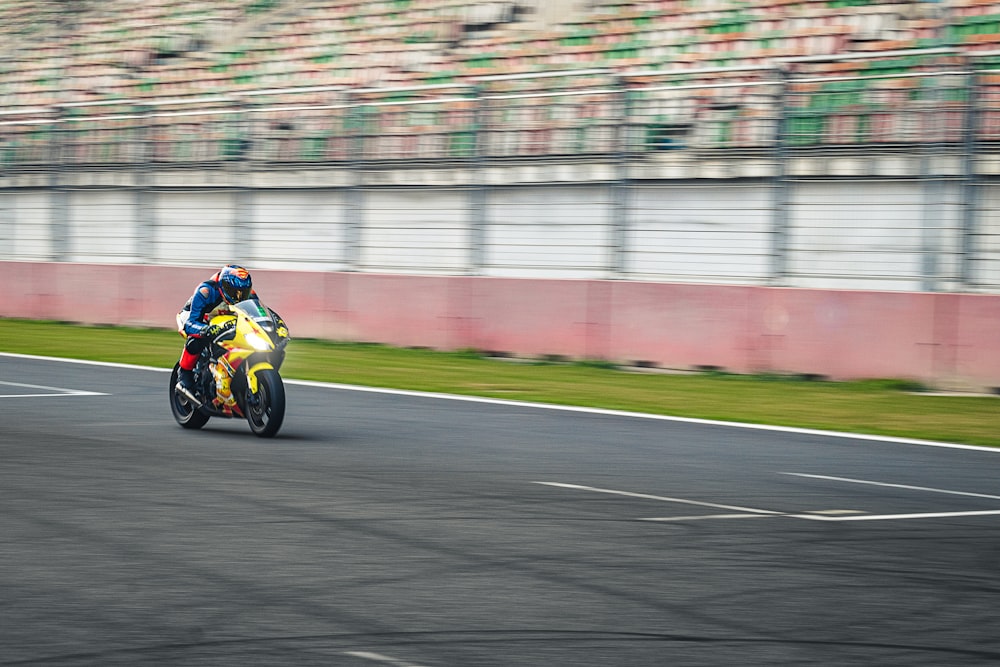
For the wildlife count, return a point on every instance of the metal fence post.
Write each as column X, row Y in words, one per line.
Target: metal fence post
column 354, row 193
column 970, row 185
column 8, row 204
column 143, row 200
column 8, row 221
column 478, row 196
column 782, row 187
column 238, row 138
column 619, row 222
column 931, row 191
column 58, row 196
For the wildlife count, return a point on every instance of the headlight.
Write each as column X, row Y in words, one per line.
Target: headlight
column 257, row 342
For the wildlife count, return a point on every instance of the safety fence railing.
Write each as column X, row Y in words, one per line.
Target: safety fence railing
column 27, row 136
column 100, row 134
column 936, row 97
column 306, row 127
column 556, row 114
column 879, row 110
column 424, row 123
column 704, row 109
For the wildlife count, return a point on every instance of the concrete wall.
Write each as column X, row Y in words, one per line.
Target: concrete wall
column 948, row 339
column 838, row 232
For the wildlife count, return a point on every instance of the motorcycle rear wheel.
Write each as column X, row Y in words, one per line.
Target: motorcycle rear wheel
column 265, row 410
column 185, row 412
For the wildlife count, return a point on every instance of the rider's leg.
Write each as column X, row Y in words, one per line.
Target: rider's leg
column 189, row 357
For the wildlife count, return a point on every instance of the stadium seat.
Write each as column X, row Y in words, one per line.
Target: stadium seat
column 155, row 49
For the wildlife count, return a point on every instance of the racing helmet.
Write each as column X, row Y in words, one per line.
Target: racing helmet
column 235, row 283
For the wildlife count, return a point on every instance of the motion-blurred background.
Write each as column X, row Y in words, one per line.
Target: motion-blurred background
column 786, row 185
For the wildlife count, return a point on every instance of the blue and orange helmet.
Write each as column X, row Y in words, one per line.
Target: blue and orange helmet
column 235, row 283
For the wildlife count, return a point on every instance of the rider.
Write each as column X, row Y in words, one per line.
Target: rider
column 229, row 286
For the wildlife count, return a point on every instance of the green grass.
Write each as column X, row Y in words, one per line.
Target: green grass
column 885, row 407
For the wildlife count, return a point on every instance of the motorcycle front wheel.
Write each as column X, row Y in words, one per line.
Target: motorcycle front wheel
column 265, row 409
column 185, row 412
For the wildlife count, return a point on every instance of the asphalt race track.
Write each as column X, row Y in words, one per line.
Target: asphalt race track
column 400, row 530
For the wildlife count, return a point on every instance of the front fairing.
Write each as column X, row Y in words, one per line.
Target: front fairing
column 253, row 337
column 253, row 332
column 261, row 324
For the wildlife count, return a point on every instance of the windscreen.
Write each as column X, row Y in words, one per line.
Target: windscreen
column 256, row 312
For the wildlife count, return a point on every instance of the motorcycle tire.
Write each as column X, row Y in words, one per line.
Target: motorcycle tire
column 265, row 410
column 186, row 414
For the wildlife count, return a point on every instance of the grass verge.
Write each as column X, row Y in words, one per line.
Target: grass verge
column 882, row 407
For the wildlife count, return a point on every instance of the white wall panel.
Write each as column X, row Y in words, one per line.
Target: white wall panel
column 196, row 228
column 871, row 234
column 700, row 233
column 31, row 219
column 102, row 227
column 302, row 230
column 415, row 231
column 549, row 231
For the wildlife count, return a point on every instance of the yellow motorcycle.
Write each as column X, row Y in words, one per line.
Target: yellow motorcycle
column 237, row 374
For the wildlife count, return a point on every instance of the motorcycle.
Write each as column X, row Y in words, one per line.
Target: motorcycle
column 236, row 375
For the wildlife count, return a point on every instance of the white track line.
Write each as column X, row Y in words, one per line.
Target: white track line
column 668, row 499
column 86, row 362
column 57, row 391
column 750, row 512
column 894, row 517
column 562, row 408
column 893, row 486
column 664, row 519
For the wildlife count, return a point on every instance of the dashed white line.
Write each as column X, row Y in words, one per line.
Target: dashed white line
column 667, row 499
column 893, row 486
column 751, row 512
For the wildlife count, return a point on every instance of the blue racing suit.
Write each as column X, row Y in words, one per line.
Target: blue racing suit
column 206, row 298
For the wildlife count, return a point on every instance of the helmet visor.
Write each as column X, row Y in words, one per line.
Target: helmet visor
column 235, row 294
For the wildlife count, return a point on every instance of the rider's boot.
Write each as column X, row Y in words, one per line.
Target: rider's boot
column 185, row 385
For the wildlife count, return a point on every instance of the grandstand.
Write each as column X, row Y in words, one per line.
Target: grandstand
column 504, row 78
column 71, row 51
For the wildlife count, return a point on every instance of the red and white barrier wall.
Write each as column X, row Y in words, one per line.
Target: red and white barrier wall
column 942, row 338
